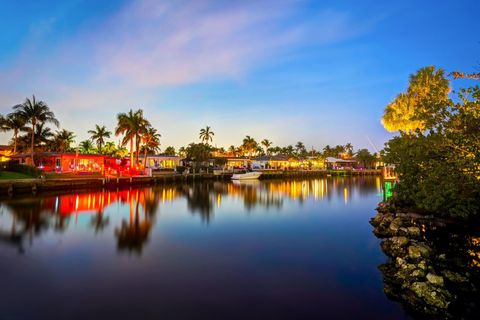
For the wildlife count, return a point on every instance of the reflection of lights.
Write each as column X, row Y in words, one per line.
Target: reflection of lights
column 76, row 203
column 345, row 194
column 219, row 200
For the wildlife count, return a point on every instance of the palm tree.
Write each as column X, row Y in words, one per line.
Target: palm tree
column 43, row 136
column 98, row 136
column 110, row 148
column 232, row 150
column 63, row 139
column 132, row 125
column 349, row 149
column 86, row 147
column 34, row 112
column 249, row 145
column 206, row 135
column 15, row 122
column 267, row 144
column 300, row 148
column 151, row 142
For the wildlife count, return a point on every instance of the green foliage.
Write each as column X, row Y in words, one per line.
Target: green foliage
column 12, row 166
column 439, row 170
column 199, row 153
column 424, row 104
column 169, row 151
column 365, row 158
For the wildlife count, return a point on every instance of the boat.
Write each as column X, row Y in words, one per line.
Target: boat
column 247, row 176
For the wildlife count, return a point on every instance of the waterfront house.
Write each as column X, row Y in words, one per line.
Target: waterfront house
column 230, row 163
column 156, row 162
column 64, row 162
column 278, row 162
column 336, row 163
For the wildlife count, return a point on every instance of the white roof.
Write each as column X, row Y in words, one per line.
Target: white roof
column 333, row 160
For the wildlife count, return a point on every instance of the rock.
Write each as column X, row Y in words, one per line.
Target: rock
column 434, row 279
column 395, row 246
column 414, row 231
column 395, row 225
column 400, row 241
column 418, row 250
column 402, row 231
column 399, row 261
column 422, row 265
column 418, row 273
column 454, row 276
column 382, row 222
column 432, row 296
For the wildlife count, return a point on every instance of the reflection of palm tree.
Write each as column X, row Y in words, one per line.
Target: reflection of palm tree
column 99, row 222
column 198, row 199
column 132, row 235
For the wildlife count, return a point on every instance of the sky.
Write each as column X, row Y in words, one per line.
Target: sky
column 320, row 72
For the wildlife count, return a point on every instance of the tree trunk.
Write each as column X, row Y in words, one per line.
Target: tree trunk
column 15, row 133
column 137, row 145
column 131, row 152
column 33, row 140
column 145, row 158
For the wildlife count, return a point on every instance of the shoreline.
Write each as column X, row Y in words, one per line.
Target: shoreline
column 34, row 186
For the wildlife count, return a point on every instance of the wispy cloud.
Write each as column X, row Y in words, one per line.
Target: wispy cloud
column 147, row 45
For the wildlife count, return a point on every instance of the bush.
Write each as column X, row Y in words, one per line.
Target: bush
column 14, row 166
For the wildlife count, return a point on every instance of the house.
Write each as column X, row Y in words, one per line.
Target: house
column 161, row 162
column 335, row 163
column 64, row 162
column 278, row 161
column 230, row 163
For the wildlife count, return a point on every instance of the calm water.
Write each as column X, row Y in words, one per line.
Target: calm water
column 275, row 249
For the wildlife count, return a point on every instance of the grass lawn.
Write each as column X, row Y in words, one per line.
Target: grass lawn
column 9, row 175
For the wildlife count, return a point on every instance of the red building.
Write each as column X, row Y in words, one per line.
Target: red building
column 65, row 162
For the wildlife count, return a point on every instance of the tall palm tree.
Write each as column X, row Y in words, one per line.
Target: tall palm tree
column 132, row 125
column 14, row 122
column 63, row 139
column 206, row 135
column 35, row 112
column 267, row 144
column 98, row 135
column 250, row 145
column 151, row 142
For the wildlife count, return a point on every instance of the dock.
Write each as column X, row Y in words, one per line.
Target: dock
column 34, row 186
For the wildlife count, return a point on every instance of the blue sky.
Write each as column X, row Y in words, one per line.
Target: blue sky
column 316, row 71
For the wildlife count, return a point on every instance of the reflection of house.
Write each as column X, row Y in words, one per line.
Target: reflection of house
column 5, row 153
column 161, row 162
column 335, row 163
column 65, row 162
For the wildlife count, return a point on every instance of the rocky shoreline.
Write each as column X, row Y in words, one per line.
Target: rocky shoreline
column 433, row 266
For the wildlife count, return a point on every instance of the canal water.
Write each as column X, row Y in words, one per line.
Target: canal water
column 300, row 249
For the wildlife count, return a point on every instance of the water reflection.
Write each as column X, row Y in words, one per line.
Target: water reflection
column 31, row 216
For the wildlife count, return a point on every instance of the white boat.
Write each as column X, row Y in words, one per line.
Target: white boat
column 247, row 176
